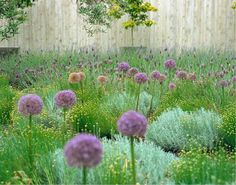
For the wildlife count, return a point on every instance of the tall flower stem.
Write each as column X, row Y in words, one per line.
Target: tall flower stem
column 82, row 91
column 132, row 36
column 138, row 97
column 30, row 149
column 223, row 95
column 133, row 159
column 84, row 175
column 64, row 125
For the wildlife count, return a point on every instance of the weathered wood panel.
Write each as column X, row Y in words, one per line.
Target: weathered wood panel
column 182, row 24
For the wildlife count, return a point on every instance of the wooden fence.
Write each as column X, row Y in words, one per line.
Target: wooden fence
column 181, row 24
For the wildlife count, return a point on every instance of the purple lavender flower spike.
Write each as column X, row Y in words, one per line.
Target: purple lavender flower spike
column 172, row 86
column 65, row 99
column 223, row 83
column 132, row 123
column 155, row 75
column 84, row 150
column 181, row 75
column 30, row 104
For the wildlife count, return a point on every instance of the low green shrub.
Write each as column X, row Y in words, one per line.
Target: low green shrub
column 6, row 104
column 14, row 148
column 200, row 167
column 115, row 166
column 191, row 96
column 176, row 129
column 227, row 129
column 90, row 117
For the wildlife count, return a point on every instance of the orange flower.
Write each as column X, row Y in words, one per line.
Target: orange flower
column 82, row 75
column 102, row 79
column 74, row 78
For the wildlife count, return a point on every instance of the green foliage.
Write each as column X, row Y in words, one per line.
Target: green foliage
column 14, row 148
column 227, row 129
column 115, row 166
column 137, row 11
column 200, row 167
column 90, row 117
column 6, row 104
column 191, row 96
column 12, row 14
column 177, row 130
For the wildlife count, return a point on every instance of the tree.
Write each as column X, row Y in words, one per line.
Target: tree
column 12, row 14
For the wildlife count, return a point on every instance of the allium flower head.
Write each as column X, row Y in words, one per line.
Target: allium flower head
column 82, row 75
column 65, row 99
column 170, row 64
column 30, row 104
column 234, row 79
column 132, row 71
column 132, row 123
column 155, row 75
column 84, row 150
column 74, row 78
column 141, row 78
column 172, row 86
column 102, row 79
column 192, row 76
column 181, row 75
column 123, row 66
column 162, row 78
column 223, row 83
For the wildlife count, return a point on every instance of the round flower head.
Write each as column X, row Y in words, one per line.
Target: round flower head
column 170, row 64
column 181, row 75
column 30, row 104
column 123, row 66
column 223, row 83
column 156, row 75
column 74, row 78
column 132, row 71
column 141, row 78
column 132, row 123
column 65, row 99
column 172, row 86
column 192, row 76
column 82, row 75
column 234, row 79
column 84, row 150
column 102, row 79
column 162, row 78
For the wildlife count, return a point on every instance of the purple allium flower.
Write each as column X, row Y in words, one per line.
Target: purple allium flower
column 223, row 83
column 170, row 64
column 132, row 71
column 123, row 66
column 141, row 78
column 172, row 86
column 83, row 150
column 181, row 75
column 155, row 75
column 132, row 123
column 234, row 79
column 30, row 104
column 192, row 76
column 65, row 99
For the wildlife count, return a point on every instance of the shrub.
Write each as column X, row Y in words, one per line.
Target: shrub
column 90, row 117
column 115, row 166
column 227, row 129
column 14, row 152
column 199, row 167
column 6, row 104
column 176, row 129
column 191, row 96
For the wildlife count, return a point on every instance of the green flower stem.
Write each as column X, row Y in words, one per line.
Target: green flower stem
column 84, row 175
column 64, row 125
column 133, row 159
column 82, row 91
column 138, row 97
column 223, row 95
column 30, row 149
